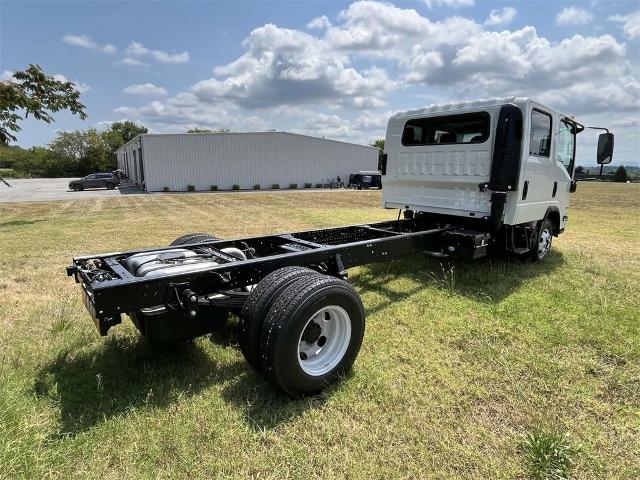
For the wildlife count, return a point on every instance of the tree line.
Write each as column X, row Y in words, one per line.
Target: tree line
column 34, row 93
column 74, row 153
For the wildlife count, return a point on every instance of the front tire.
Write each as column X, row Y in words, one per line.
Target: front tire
column 110, row 186
column 312, row 334
column 544, row 238
column 77, row 188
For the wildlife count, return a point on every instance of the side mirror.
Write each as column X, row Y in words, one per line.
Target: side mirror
column 573, row 187
column 605, row 148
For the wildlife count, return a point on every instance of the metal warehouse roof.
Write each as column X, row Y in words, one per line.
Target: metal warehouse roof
column 242, row 133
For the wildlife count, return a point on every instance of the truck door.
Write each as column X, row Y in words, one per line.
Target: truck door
column 562, row 167
column 536, row 189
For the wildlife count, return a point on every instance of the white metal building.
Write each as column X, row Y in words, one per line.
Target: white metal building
column 176, row 161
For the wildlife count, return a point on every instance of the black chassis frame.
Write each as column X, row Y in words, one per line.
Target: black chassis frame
column 330, row 251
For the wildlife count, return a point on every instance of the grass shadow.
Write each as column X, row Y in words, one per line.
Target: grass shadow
column 264, row 407
column 487, row 280
column 19, row 223
column 123, row 374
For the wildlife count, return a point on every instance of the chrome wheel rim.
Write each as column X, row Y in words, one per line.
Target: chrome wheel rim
column 545, row 243
column 324, row 340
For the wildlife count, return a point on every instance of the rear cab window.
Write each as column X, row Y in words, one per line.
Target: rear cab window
column 466, row 128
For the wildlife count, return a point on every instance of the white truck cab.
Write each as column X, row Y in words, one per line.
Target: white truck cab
column 504, row 164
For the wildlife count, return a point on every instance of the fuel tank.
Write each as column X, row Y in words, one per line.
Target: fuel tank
column 174, row 261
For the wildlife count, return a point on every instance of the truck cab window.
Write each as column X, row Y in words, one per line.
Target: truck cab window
column 566, row 146
column 540, row 139
column 447, row 130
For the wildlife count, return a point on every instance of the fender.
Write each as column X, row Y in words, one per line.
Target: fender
column 553, row 213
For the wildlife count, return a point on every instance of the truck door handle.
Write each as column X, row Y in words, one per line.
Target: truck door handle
column 555, row 189
column 525, row 189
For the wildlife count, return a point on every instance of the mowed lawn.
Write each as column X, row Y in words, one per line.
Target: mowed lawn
column 461, row 365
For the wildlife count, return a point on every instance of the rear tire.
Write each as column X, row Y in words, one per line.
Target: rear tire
column 257, row 306
column 312, row 334
column 110, row 186
column 544, row 237
column 190, row 238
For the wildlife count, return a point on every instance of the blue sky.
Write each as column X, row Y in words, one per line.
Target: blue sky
column 337, row 69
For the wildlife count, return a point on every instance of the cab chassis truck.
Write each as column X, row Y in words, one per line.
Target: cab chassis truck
column 470, row 178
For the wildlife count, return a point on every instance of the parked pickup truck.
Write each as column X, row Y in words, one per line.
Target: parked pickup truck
column 95, row 180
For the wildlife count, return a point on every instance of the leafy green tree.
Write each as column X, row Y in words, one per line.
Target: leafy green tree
column 69, row 144
column 379, row 144
column 88, row 150
column 10, row 156
column 118, row 134
column 579, row 169
column 620, row 175
column 127, row 130
column 33, row 92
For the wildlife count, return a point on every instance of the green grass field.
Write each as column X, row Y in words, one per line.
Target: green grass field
column 493, row 369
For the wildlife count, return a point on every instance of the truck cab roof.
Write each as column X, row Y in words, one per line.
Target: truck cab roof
column 472, row 105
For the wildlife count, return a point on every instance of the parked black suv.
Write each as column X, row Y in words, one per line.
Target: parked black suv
column 366, row 180
column 95, row 180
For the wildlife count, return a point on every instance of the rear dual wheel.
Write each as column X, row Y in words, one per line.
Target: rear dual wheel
column 257, row 306
column 311, row 334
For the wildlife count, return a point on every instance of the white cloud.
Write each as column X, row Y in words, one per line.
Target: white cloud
column 288, row 66
column 146, row 89
column 337, row 80
column 630, row 23
column 449, row 3
column 132, row 62
column 86, row 41
column 500, row 17
column 80, row 86
column 136, row 49
column 574, row 16
column 319, row 23
column 6, row 75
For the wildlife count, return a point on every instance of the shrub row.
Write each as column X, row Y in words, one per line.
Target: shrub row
column 274, row 186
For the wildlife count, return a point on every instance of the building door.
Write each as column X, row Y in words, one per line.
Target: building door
column 135, row 167
column 141, row 166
